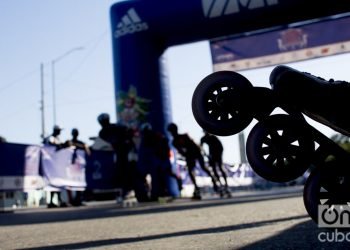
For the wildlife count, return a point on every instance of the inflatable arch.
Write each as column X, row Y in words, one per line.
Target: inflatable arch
column 143, row 29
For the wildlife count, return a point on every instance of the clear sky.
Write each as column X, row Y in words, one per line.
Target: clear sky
column 38, row 32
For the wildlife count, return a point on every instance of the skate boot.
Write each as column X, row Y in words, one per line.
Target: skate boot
column 323, row 101
column 228, row 192
column 221, row 192
column 216, row 188
column 225, row 192
column 196, row 195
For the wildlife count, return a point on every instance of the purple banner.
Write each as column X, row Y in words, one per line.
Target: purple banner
column 298, row 43
column 19, row 167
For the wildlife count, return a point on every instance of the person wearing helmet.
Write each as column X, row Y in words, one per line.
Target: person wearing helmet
column 185, row 145
column 120, row 138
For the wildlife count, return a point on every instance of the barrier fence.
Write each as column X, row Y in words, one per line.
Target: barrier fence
column 28, row 168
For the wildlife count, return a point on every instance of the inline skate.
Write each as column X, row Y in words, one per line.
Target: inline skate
column 282, row 146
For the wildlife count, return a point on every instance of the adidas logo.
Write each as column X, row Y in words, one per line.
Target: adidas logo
column 217, row 8
column 129, row 24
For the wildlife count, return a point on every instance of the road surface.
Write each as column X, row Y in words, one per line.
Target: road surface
column 271, row 219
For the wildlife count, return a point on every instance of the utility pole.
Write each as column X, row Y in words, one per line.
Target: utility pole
column 42, row 107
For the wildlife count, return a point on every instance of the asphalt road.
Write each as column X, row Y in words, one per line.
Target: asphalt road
column 273, row 219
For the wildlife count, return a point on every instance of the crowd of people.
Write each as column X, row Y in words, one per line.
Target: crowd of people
column 140, row 154
column 146, row 152
column 143, row 160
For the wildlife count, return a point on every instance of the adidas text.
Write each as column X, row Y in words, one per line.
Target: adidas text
column 130, row 29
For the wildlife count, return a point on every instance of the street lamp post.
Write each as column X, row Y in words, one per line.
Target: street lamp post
column 53, row 63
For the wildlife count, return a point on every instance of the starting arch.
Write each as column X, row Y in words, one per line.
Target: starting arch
column 143, row 29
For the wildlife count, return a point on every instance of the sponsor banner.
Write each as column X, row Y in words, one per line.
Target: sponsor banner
column 101, row 171
column 67, row 168
column 19, row 159
column 64, row 167
column 237, row 175
column 25, row 183
column 19, row 167
column 299, row 43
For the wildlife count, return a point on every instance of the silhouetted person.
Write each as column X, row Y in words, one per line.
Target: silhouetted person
column 54, row 140
column 120, row 137
column 215, row 156
column 154, row 159
column 192, row 153
column 78, row 145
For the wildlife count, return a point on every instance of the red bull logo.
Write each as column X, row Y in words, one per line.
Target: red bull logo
column 292, row 39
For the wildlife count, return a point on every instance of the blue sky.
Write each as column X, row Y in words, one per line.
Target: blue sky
column 37, row 32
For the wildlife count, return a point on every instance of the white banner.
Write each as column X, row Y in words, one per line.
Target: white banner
column 64, row 167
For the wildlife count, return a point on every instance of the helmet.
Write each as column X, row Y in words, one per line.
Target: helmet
column 172, row 127
column 103, row 117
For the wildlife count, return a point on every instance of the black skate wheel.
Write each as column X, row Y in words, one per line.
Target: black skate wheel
column 279, row 148
column 209, row 114
column 312, row 193
column 324, row 187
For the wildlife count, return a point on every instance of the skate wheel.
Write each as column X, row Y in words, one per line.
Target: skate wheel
column 279, row 148
column 324, row 188
column 312, row 193
column 209, row 114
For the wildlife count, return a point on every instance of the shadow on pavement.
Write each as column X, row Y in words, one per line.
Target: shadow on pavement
column 119, row 241
column 113, row 210
column 305, row 235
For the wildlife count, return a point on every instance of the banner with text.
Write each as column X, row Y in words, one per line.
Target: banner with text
column 298, row 43
column 64, row 167
column 19, row 167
